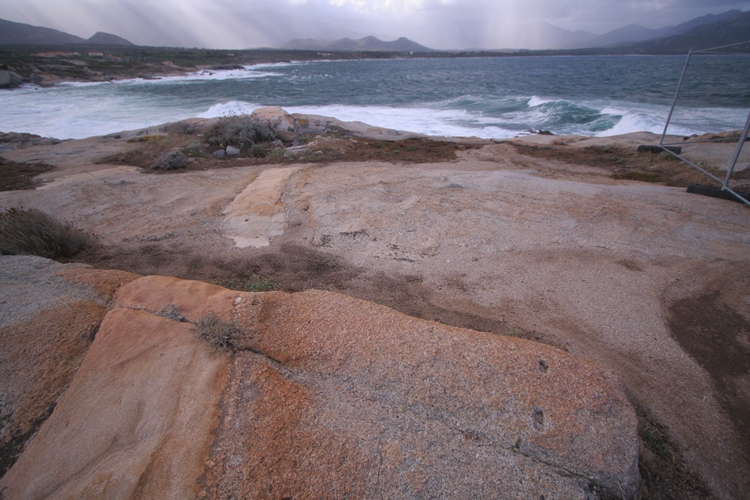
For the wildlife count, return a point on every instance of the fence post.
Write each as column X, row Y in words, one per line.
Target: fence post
column 676, row 95
column 737, row 153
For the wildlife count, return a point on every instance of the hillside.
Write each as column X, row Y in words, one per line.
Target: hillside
column 101, row 38
column 12, row 33
column 736, row 29
column 18, row 33
column 634, row 33
column 369, row 43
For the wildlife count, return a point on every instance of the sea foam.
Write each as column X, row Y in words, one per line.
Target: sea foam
column 437, row 122
column 630, row 121
column 231, row 108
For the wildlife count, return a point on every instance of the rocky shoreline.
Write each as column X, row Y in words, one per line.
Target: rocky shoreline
column 403, row 267
column 66, row 67
column 52, row 65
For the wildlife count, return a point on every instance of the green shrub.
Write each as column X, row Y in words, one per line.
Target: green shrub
column 239, row 131
column 220, row 334
column 252, row 284
column 258, row 151
column 31, row 232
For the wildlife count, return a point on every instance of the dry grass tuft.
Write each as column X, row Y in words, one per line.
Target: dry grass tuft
column 220, row 334
column 31, row 232
column 171, row 311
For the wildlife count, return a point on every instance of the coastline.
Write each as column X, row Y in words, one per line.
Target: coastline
column 512, row 109
column 53, row 65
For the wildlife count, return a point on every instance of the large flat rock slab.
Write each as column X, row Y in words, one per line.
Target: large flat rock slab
column 333, row 395
column 49, row 315
column 325, row 396
column 380, row 404
column 590, row 267
column 135, row 422
column 257, row 213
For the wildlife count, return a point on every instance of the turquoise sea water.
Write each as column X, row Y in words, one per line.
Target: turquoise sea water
column 486, row 97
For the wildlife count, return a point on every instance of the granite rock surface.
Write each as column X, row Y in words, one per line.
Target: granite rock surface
column 324, row 395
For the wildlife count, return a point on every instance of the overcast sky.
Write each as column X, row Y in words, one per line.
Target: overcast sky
column 440, row 24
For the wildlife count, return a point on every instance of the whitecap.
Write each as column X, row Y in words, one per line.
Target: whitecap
column 427, row 121
column 535, row 101
column 231, row 108
column 633, row 121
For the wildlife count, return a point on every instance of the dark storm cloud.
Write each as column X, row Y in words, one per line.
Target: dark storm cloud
column 437, row 23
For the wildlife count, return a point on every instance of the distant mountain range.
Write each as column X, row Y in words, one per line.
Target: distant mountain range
column 735, row 29
column 702, row 32
column 363, row 44
column 25, row 34
column 634, row 33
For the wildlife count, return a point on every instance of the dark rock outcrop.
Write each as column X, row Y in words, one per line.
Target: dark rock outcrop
column 10, row 79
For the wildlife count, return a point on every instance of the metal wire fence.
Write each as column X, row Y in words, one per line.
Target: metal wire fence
column 708, row 124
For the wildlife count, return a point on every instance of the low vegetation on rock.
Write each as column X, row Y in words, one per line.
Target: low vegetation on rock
column 32, row 232
column 171, row 161
column 254, row 283
column 241, row 132
column 220, row 334
column 16, row 176
column 171, row 311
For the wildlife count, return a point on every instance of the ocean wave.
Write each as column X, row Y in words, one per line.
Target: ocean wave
column 214, row 75
column 79, row 84
column 535, row 101
column 271, row 65
column 420, row 120
column 231, row 108
column 444, row 97
column 204, row 75
column 629, row 121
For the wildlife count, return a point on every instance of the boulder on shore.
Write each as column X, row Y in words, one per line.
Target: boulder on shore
column 289, row 127
column 324, row 396
column 279, row 121
column 10, row 79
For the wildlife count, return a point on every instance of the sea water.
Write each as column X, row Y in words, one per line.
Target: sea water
column 488, row 97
